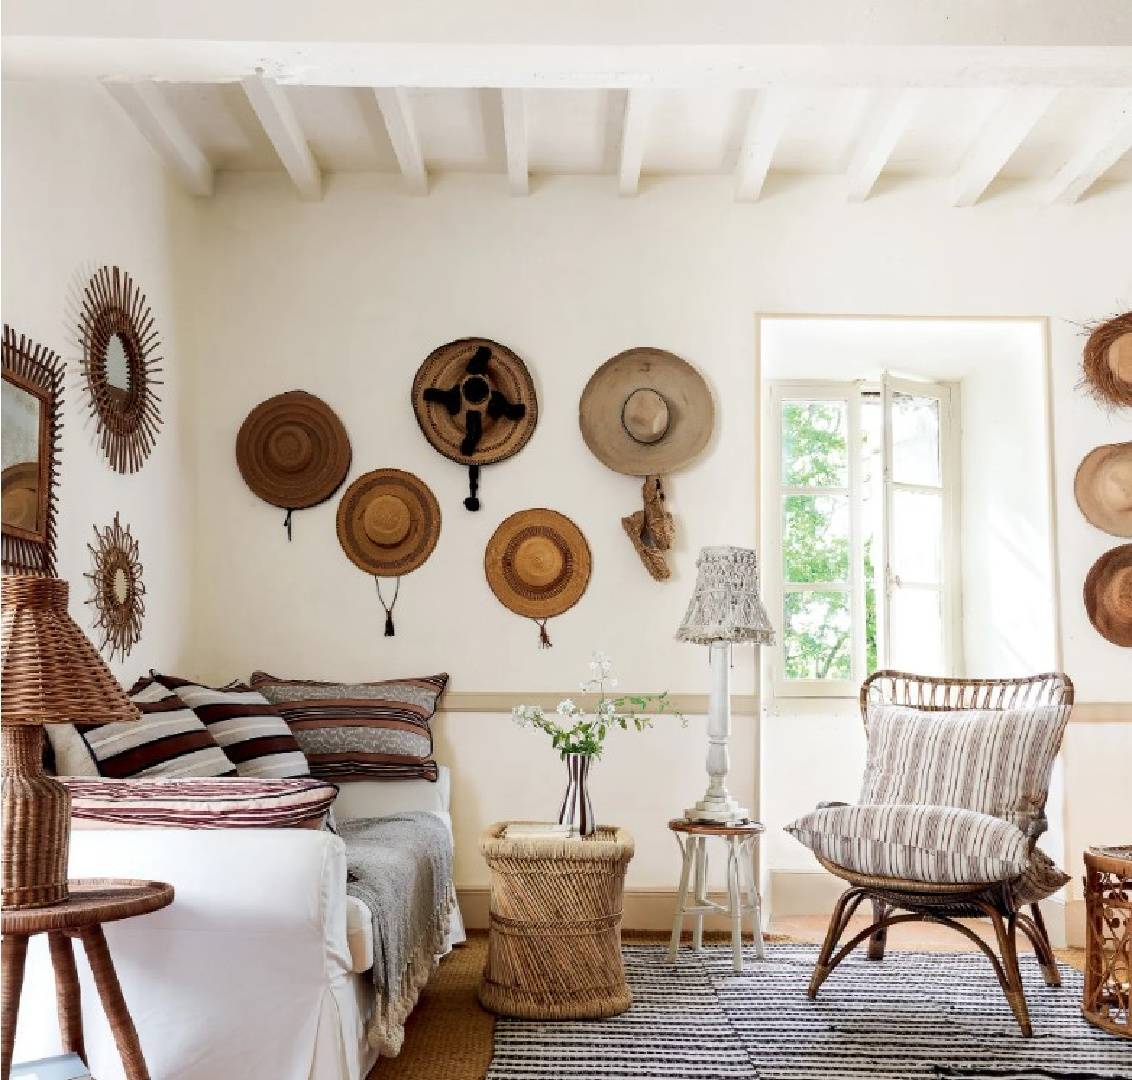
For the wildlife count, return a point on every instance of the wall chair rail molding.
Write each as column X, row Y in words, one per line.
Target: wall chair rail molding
column 32, row 426
column 500, row 701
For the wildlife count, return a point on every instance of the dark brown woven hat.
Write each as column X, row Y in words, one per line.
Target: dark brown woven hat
column 293, row 451
column 475, row 402
column 388, row 522
column 1108, row 595
column 538, row 564
column 1107, row 360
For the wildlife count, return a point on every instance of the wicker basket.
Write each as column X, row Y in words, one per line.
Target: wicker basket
column 1108, row 939
column 554, row 946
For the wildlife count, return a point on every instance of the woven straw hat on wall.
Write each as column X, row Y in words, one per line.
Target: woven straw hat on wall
column 1108, row 595
column 1103, row 487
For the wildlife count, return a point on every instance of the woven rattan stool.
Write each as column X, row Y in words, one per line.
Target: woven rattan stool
column 90, row 904
column 1108, row 939
column 554, row 943
column 691, row 897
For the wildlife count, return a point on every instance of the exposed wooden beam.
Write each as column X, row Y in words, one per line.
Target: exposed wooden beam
column 634, row 137
column 889, row 115
column 1001, row 135
column 269, row 101
column 397, row 112
column 1109, row 141
column 770, row 112
column 145, row 104
column 515, row 141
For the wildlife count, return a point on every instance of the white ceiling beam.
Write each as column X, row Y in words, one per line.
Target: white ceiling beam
column 1109, row 141
column 634, row 138
column 269, row 102
column 770, row 112
column 889, row 115
column 147, row 107
column 515, row 141
column 397, row 112
column 1001, row 135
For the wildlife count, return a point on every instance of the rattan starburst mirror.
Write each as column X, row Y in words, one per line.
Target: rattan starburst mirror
column 119, row 592
column 119, row 342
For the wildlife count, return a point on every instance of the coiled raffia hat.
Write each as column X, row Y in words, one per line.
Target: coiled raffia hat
column 388, row 522
column 1108, row 595
column 1103, row 488
column 1107, row 360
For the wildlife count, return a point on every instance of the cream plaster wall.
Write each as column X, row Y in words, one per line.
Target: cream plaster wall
column 81, row 189
column 345, row 297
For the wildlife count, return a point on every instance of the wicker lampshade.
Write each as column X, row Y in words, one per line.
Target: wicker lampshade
column 725, row 605
column 51, row 675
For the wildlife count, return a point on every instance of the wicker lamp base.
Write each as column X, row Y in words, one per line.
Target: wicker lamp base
column 37, row 823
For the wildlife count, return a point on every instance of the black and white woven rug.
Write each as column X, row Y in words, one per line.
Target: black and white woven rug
column 913, row 1015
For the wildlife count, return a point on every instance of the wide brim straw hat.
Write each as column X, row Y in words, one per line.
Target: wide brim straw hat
column 646, row 412
column 1107, row 361
column 538, row 563
column 1103, row 488
column 293, row 451
column 388, row 522
column 494, row 369
column 1108, row 595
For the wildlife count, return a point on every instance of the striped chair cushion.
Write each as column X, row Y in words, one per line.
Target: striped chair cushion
column 994, row 761
column 360, row 731
column 1040, row 879
column 248, row 728
column 168, row 740
column 937, row 844
column 228, row 803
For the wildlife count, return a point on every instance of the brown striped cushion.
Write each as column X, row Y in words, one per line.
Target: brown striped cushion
column 938, row 844
column 1040, row 879
column 227, row 803
column 360, row 731
column 168, row 740
column 248, row 728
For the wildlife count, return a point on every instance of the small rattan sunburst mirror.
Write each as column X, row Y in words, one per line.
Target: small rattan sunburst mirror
column 119, row 593
column 119, row 342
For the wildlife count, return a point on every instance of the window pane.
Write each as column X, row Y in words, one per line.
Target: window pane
column 814, row 444
column 815, row 542
column 917, row 632
column 917, row 533
column 915, row 439
column 872, row 522
column 815, row 637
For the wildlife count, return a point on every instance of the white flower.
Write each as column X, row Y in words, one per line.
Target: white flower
column 600, row 660
column 611, row 683
column 608, row 707
column 567, row 708
column 525, row 715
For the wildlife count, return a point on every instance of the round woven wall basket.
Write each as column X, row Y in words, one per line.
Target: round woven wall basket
column 1107, row 361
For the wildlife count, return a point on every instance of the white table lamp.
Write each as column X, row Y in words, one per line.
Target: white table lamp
column 725, row 609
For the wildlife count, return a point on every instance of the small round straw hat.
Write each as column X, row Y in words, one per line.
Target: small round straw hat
column 388, row 522
column 1108, row 595
column 538, row 564
column 646, row 412
column 293, row 451
column 1103, row 488
column 1107, row 360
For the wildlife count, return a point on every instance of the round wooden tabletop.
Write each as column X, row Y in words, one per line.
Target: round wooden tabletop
column 91, row 901
column 714, row 828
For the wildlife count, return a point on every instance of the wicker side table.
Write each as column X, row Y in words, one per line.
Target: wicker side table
column 90, row 904
column 1108, row 939
column 554, row 943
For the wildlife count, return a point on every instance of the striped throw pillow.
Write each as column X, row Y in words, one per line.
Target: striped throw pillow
column 168, row 740
column 250, row 730
column 994, row 761
column 360, row 731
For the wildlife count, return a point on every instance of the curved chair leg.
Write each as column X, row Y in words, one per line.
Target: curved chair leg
column 1011, row 977
column 843, row 911
column 879, row 937
column 1034, row 927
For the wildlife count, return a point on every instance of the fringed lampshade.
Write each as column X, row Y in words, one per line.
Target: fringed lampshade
column 51, row 675
column 725, row 609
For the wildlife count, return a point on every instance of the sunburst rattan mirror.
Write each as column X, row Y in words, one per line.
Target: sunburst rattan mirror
column 119, row 593
column 31, row 423
column 119, row 340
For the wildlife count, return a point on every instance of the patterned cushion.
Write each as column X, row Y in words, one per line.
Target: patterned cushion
column 228, row 803
column 1040, row 879
column 250, row 730
column 360, row 731
column 994, row 761
column 168, row 740
column 938, row 844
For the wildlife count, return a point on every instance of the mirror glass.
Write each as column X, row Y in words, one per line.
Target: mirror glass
column 121, row 586
column 21, row 417
column 117, row 364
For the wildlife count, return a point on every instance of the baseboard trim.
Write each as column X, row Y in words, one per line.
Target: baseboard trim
column 803, row 892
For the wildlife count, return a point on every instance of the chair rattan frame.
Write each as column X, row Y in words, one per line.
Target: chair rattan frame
column 898, row 900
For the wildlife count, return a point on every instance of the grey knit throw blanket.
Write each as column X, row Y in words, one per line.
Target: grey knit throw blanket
column 400, row 867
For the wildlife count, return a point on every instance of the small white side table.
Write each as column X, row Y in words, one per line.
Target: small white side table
column 691, row 897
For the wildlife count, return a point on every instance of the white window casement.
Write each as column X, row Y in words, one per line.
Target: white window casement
column 862, row 552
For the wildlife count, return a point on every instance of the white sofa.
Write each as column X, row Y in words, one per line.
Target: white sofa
column 248, row 974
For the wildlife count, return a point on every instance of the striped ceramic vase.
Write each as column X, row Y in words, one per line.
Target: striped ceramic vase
column 577, row 810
